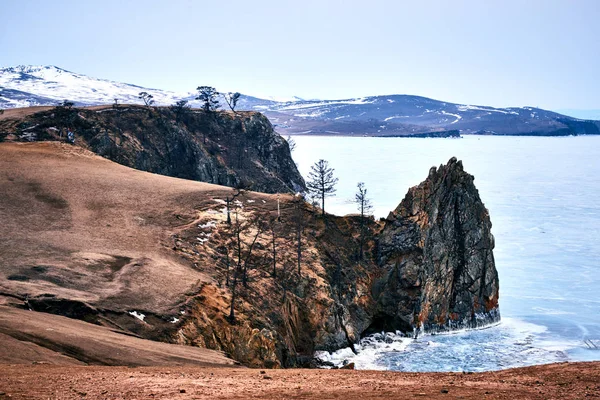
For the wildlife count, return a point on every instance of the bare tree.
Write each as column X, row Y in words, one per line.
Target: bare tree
column 322, row 182
column 115, row 105
column 243, row 253
column 274, row 247
column 228, row 200
column 208, row 95
column 237, row 267
column 259, row 230
column 232, row 99
column 298, row 220
column 364, row 205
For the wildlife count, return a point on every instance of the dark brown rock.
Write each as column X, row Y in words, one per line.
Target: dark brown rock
column 438, row 256
column 223, row 148
column 348, row 366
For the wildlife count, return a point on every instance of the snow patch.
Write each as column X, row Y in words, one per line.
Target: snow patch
column 138, row 315
column 458, row 117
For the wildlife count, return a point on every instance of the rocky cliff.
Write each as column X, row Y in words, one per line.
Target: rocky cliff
column 225, row 148
column 157, row 257
column 437, row 248
column 428, row 267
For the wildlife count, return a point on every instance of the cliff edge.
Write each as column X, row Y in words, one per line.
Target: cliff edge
column 238, row 149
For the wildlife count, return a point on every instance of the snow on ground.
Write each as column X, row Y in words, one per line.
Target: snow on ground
column 488, row 109
column 458, row 117
column 59, row 84
column 138, row 315
column 209, row 224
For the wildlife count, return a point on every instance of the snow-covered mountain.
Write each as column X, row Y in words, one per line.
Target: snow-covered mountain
column 50, row 84
column 409, row 114
column 26, row 86
column 391, row 115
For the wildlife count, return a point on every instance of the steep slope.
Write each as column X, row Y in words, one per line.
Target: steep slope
column 229, row 149
column 437, row 245
column 28, row 337
column 155, row 256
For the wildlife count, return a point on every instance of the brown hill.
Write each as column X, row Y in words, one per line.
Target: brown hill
column 155, row 256
column 28, row 337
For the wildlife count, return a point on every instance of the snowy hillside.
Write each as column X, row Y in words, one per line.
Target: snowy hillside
column 50, row 83
column 394, row 111
column 391, row 115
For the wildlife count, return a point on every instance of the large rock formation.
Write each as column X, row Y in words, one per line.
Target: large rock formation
column 431, row 267
column 436, row 247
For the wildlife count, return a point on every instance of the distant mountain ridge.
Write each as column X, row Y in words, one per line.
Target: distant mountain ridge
column 389, row 115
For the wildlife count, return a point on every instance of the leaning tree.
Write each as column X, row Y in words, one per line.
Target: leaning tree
column 232, row 99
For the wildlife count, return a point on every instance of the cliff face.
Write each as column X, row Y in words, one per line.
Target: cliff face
column 437, row 248
column 428, row 267
column 224, row 148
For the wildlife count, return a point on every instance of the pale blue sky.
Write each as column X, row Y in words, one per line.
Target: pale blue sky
column 503, row 53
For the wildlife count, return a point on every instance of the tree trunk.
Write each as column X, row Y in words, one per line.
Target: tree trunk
column 299, row 234
column 233, row 293
column 274, row 274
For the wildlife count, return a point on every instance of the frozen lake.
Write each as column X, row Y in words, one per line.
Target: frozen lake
column 543, row 195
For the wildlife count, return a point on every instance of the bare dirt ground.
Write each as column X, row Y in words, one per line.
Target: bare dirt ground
column 77, row 226
column 556, row 381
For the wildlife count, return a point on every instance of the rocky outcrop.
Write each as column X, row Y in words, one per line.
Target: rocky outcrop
column 162, row 262
column 231, row 149
column 436, row 247
column 429, row 267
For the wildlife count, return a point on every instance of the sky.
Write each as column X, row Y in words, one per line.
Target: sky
column 543, row 53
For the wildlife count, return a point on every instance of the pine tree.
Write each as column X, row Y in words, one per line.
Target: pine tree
column 364, row 205
column 322, row 182
column 208, row 95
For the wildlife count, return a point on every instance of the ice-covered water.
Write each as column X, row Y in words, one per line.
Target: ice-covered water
column 544, row 200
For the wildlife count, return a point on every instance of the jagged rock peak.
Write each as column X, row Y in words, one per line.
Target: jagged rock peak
column 437, row 245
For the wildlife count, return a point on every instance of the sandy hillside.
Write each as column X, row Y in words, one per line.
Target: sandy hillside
column 29, row 337
column 81, row 227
